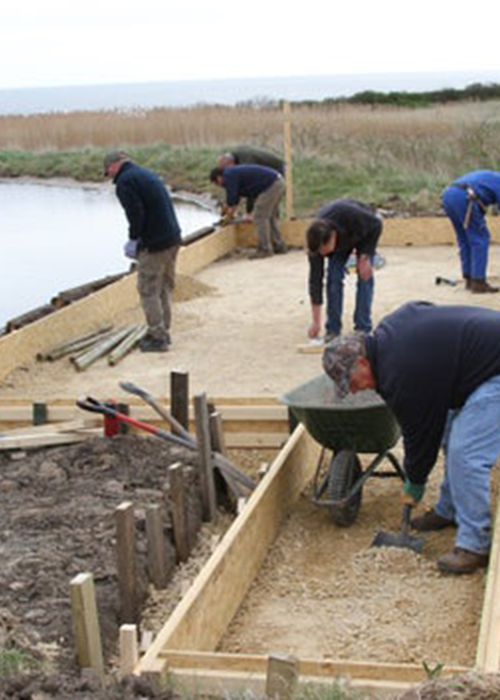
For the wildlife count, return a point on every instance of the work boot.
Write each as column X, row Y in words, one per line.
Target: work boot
column 280, row 248
column 462, row 561
column 467, row 281
column 478, row 286
column 261, row 253
column 430, row 521
column 151, row 344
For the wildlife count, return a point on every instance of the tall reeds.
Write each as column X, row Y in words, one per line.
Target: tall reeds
column 370, row 152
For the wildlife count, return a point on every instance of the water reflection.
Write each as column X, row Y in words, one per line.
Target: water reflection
column 57, row 237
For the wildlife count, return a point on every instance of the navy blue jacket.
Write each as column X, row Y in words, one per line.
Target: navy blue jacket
column 148, row 207
column 429, row 359
column 357, row 226
column 246, row 181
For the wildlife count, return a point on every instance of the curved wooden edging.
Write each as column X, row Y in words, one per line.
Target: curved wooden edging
column 88, row 314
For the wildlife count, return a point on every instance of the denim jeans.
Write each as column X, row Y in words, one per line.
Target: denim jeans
column 471, row 443
column 337, row 263
column 473, row 242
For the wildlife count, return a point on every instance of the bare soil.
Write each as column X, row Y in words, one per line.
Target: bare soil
column 237, row 335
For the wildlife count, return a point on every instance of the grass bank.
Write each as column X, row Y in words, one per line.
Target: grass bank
column 392, row 157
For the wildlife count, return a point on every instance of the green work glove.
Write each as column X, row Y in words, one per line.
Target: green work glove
column 413, row 493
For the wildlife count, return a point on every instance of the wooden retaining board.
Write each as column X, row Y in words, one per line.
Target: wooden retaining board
column 183, row 651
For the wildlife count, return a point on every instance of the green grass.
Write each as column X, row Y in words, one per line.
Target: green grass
column 16, row 661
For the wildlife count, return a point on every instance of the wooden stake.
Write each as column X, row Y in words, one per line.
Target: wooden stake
column 178, row 505
column 86, row 623
column 290, row 213
column 156, row 547
column 179, row 397
column 282, row 676
column 205, row 462
column 217, row 433
column 39, row 413
column 129, row 649
column 126, row 561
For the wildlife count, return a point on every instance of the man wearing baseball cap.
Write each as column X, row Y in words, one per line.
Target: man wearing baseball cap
column 438, row 369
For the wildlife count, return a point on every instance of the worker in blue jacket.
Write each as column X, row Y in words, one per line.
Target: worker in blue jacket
column 438, row 369
column 154, row 236
column 266, row 188
column 466, row 202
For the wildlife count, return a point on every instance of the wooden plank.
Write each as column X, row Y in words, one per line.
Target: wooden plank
column 178, row 505
column 179, row 393
column 201, row 618
column 86, row 623
column 256, row 440
column 205, row 459
column 218, row 684
column 287, row 129
column 129, row 649
column 282, row 676
column 256, row 663
column 157, row 564
column 311, row 348
column 488, row 648
column 127, row 562
column 22, row 442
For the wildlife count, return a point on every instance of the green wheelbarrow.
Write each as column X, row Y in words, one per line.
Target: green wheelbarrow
column 361, row 423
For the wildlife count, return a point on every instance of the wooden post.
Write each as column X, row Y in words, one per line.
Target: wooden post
column 179, row 397
column 129, row 649
column 282, row 676
column 39, row 413
column 86, row 623
column 205, row 460
column 126, row 561
column 178, row 505
column 290, row 213
column 217, row 433
column 156, row 547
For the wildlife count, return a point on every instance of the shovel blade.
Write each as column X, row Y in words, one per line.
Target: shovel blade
column 391, row 539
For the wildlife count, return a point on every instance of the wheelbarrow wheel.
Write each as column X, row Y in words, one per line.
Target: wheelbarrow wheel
column 343, row 472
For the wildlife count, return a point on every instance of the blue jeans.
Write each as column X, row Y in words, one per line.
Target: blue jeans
column 335, row 296
column 471, row 443
column 473, row 241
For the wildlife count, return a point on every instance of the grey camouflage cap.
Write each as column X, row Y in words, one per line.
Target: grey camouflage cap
column 340, row 357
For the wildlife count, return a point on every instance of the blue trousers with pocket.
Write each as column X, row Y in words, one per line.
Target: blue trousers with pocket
column 473, row 241
column 472, row 444
column 336, row 272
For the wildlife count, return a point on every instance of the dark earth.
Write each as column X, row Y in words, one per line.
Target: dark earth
column 56, row 521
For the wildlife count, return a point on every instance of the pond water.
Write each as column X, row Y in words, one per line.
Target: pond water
column 55, row 237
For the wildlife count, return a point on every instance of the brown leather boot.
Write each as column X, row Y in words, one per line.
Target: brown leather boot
column 478, row 286
column 462, row 561
column 467, row 281
column 430, row 521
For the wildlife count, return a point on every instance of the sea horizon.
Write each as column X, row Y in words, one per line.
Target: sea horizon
column 227, row 91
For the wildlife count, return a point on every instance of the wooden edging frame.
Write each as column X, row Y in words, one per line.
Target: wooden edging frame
column 183, row 652
column 88, row 314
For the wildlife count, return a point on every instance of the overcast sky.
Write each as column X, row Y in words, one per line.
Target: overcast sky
column 60, row 42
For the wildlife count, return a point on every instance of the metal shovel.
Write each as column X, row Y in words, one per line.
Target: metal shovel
column 401, row 539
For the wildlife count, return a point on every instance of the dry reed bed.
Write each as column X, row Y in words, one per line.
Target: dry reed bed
column 314, row 127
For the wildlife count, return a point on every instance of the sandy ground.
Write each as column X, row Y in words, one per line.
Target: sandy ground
column 323, row 591
column 238, row 336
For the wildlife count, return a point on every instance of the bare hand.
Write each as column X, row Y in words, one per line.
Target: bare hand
column 364, row 267
column 314, row 330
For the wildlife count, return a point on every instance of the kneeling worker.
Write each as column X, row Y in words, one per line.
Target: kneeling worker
column 438, row 369
column 341, row 227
